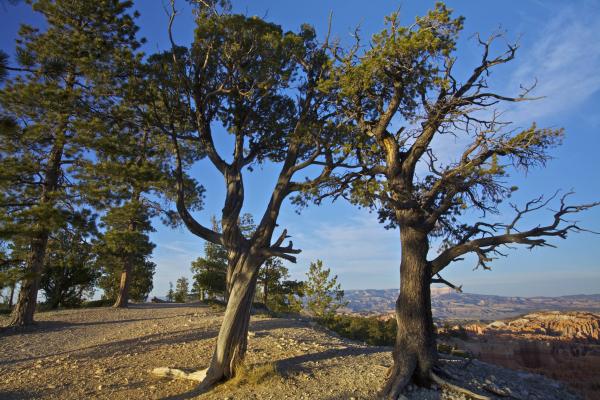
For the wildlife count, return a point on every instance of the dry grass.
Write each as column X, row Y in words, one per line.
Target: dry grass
column 254, row 374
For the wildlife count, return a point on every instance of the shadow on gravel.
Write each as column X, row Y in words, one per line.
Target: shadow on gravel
column 16, row 395
column 133, row 345
column 53, row 326
column 343, row 396
column 289, row 366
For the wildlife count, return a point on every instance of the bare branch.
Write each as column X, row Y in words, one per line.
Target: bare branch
column 439, row 279
column 534, row 237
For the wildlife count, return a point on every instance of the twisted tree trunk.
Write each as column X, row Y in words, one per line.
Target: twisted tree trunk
column 414, row 352
column 233, row 335
column 232, row 341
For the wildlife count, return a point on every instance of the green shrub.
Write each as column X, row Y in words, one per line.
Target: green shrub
column 98, row 303
column 365, row 329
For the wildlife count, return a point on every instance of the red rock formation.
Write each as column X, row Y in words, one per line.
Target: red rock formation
column 561, row 345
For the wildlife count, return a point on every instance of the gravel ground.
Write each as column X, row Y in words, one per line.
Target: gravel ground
column 107, row 353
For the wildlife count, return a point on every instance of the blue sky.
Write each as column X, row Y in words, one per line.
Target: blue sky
column 559, row 46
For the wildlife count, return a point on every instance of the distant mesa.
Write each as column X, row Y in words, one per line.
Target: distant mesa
column 450, row 305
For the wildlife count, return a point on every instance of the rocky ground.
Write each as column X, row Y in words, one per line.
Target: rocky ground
column 108, row 354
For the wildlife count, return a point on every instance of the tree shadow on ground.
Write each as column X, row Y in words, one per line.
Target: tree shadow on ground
column 132, row 345
column 16, row 394
column 53, row 326
column 288, row 367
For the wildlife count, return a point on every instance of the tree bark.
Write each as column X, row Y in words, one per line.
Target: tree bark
column 22, row 315
column 11, row 296
column 232, row 341
column 123, row 295
column 265, row 293
column 414, row 352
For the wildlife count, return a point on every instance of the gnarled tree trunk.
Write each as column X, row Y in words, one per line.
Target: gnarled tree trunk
column 414, row 352
column 232, row 341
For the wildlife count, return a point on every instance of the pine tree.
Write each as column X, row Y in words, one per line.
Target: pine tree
column 324, row 295
column 270, row 278
column 210, row 271
column 181, row 290
column 123, row 252
column 170, row 293
column 48, row 103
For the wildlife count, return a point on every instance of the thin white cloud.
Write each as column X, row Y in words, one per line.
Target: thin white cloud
column 565, row 59
column 360, row 251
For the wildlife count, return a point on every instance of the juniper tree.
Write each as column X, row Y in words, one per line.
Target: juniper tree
column 245, row 79
column 47, row 100
column 402, row 93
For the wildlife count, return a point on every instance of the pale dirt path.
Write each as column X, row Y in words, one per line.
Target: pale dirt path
column 108, row 354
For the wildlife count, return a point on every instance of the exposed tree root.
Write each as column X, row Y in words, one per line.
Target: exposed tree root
column 442, row 382
column 197, row 376
column 399, row 375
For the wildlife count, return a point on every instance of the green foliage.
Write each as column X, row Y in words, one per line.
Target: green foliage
column 365, row 329
column 324, row 295
column 126, row 243
column 51, row 112
column 399, row 53
column 210, row 271
column 170, row 293
column 12, row 262
column 270, row 277
column 53, row 104
column 70, row 270
column 278, row 293
column 97, row 303
column 181, row 290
